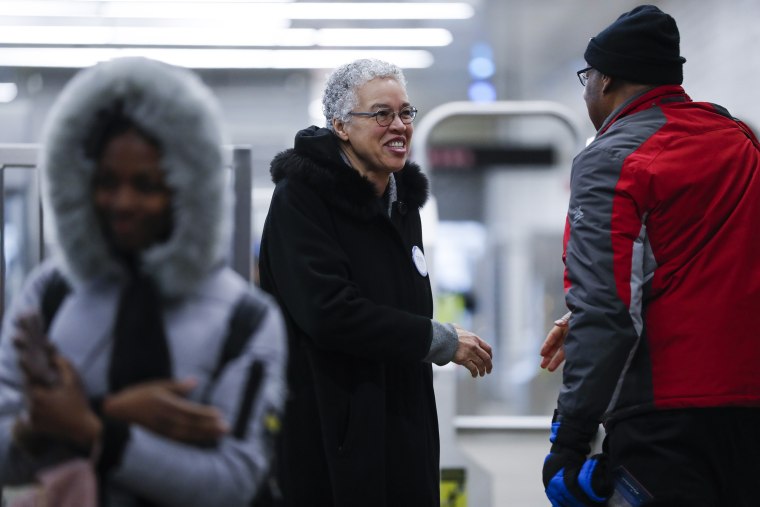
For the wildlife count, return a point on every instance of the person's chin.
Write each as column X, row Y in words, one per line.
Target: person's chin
column 396, row 165
column 128, row 243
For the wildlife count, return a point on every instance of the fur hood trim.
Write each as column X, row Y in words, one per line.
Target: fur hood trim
column 316, row 162
column 173, row 105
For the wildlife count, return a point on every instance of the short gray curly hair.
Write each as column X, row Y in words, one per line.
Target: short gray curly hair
column 339, row 97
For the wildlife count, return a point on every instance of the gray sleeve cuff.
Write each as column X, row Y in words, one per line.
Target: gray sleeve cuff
column 444, row 344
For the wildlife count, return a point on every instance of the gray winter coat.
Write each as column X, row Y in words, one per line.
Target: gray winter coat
column 199, row 291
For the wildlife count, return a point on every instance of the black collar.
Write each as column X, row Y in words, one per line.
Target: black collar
column 316, row 161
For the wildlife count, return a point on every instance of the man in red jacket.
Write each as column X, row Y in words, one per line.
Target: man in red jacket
column 663, row 281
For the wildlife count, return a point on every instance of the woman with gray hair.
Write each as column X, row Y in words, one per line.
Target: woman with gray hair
column 342, row 253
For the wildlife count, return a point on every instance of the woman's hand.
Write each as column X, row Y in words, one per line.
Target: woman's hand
column 473, row 353
column 36, row 355
column 161, row 407
column 62, row 411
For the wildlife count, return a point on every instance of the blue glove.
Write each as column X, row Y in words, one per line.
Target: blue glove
column 570, row 479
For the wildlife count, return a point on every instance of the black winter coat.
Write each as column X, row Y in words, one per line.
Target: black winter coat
column 361, row 426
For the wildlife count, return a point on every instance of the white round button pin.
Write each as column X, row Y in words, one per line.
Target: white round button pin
column 419, row 260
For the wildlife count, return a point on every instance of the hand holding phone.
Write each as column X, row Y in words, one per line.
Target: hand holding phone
column 35, row 351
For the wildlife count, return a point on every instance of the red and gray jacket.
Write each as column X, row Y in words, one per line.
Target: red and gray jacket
column 662, row 263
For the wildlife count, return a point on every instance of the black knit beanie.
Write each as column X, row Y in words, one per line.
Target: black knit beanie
column 640, row 46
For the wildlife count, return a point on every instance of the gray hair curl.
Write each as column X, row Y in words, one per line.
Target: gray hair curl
column 339, row 97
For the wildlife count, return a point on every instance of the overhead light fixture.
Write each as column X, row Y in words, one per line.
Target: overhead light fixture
column 216, row 34
column 378, row 37
column 8, row 92
column 376, row 10
column 153, row 36
column 244, row 11
column 185, row 36
column 99, row 8
column 203, row 58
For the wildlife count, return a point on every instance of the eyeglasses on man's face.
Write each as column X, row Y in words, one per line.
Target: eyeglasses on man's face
column 583, row 75
column 384, row 116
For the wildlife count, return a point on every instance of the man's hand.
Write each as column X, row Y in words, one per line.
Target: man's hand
column 570, row 479
column 473, row 353
column 161, row 407
column 553, row 349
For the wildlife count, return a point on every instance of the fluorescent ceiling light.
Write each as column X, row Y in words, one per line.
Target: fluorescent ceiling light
column 212, row 58
column 422, row 37
column 189, row 1
column 376, row 10
column 248, row 11
column 153, row 36
column 185, row 36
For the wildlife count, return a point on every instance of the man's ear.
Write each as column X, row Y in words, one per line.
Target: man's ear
column 339, row 126
column 608, row 83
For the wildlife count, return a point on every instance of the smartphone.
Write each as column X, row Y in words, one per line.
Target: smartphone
column 35, row 352
column 628, row 491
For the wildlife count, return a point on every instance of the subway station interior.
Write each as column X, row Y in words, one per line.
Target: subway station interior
column 501, row 116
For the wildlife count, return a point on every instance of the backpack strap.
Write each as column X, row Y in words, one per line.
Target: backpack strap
column 247, row 316
column 245, row 319
column 55, row 291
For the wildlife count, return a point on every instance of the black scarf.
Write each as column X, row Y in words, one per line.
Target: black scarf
column 140, row 351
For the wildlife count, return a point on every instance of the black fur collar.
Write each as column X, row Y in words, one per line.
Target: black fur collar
column 316, row 161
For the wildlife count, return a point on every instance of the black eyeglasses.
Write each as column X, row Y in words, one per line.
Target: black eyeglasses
column 384, row 117
column 583, row 75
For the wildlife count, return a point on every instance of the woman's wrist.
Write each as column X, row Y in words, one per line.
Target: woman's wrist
column 91, row 431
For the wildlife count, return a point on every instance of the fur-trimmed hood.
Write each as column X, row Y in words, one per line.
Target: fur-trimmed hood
column 176, row 108
column 316, row 161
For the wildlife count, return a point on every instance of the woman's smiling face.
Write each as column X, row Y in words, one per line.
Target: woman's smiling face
column 132, row 200
column 373, row 150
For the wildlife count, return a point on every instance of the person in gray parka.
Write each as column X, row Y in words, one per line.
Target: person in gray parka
column 135, row 184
